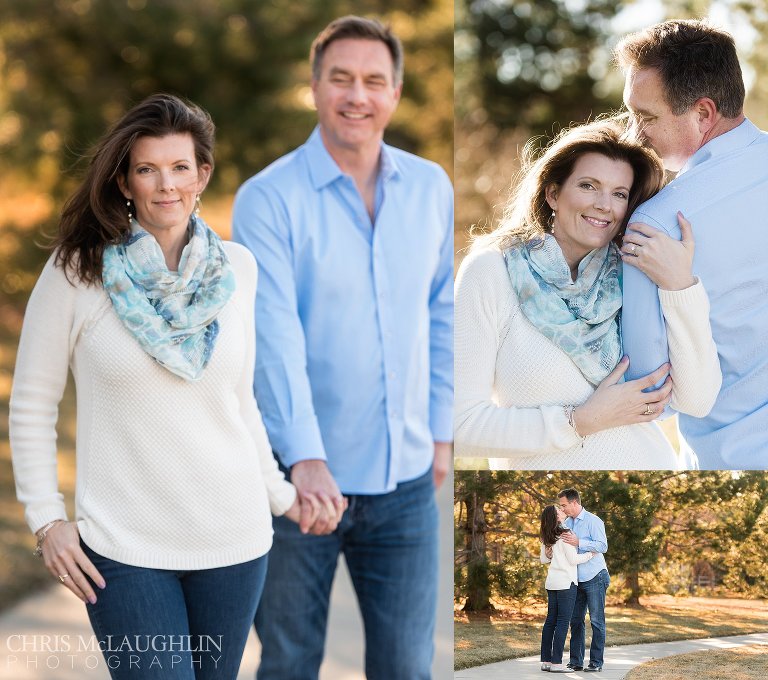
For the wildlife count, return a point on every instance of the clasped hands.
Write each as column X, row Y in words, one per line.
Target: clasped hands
column 319, row 504
column 567, row 537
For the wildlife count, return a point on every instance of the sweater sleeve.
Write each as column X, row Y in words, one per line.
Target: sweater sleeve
column 42, row 363
column 695, row 366
column 482, row 311
column 281, row 492
column 574, row 557
column 543, row 556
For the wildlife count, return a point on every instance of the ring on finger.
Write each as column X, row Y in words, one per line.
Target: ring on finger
column 648, row 410
column 63, row 577
column 633, row 250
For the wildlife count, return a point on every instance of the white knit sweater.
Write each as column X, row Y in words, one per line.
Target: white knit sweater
column 171, row 474
column 563, row 567
column 512, row 382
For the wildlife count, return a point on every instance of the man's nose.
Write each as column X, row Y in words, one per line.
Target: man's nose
column 356, row 93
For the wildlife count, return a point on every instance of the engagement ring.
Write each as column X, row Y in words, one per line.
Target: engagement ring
column 648, row 410
column 63, row 577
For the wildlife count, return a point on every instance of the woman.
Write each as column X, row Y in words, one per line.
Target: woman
column 561, row 585
column 175, row 475
column 538, row 352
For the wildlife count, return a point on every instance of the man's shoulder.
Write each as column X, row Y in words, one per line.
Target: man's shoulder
column 281, row 172
column 660, row 211
column 591, row 516
column 409, row 164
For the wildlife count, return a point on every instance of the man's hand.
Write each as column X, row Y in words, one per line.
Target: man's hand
column 322, row 504
column 442, row 463
column 570, row 538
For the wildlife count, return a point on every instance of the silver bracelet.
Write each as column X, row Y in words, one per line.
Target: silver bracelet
column 41, row 534
column 569, row 410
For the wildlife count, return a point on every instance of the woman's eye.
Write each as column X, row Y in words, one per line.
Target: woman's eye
column 143, row 171
column 622, row 195
column 182, row 167
column 586, row 185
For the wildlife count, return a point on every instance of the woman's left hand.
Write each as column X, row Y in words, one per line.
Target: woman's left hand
column 664, row 260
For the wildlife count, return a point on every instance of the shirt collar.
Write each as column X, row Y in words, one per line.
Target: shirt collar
column 324, row 170
column 580, row 515
column 742, row 135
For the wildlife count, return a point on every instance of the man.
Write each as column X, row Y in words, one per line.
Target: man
column 685, row 92
column 587, row 535
column 354, row 317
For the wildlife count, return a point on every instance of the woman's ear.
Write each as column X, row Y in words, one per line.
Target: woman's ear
column 550, row 194
column 203, row 174
column 123, row 186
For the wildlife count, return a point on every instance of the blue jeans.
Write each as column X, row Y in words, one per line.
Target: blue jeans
column 590, row 595
column 389, row 542
column 559, row 610
column 186, row 625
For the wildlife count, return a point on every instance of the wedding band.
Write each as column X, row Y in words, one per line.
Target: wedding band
column 648, row 410
column 634, row 252
column 63, row 577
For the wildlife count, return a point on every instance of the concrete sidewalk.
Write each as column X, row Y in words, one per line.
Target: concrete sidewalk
column 58, row 615
column 619, row 660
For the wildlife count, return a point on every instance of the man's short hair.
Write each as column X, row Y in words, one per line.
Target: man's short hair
column 357, row 28
column 570, row 495
column 693, row 59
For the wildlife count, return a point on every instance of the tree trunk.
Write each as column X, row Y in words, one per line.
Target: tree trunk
column 478, row 572
column 632, row 579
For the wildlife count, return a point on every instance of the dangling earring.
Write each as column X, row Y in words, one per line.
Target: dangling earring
column 197, row 206
column 551, row 222
column 130, row 209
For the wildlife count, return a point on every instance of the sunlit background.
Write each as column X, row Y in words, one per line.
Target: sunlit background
column 528, row 69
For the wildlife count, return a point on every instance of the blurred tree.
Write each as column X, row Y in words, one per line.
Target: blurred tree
column 542, row 61
column 69, row 68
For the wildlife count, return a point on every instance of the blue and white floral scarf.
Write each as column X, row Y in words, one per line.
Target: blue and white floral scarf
column 171, row 314
column 582, row 316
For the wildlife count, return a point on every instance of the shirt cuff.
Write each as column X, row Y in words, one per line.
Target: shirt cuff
column 441, row 422
column 298, row 441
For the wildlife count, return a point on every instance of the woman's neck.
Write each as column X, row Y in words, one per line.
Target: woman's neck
column 171, row 242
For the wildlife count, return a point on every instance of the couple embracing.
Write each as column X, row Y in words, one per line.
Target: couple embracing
column 605, row 295
column 573, row 543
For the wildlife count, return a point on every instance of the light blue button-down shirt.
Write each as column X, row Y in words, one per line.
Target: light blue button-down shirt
column 590, row 531
column 723, row 191
column 354, row 321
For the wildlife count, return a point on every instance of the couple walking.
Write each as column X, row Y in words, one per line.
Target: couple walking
column 173, row 545
column 573, row 543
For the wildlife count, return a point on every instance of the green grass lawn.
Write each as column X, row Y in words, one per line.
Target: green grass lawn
column 508, row 634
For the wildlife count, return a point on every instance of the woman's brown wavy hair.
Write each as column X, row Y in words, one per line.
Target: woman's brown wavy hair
column 96, row 215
